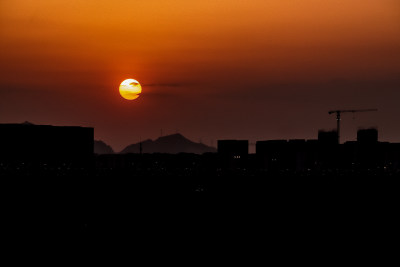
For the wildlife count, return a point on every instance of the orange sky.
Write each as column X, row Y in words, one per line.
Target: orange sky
column 210, row 69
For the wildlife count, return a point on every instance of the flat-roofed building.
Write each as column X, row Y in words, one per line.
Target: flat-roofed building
column 367, row 136
column 46, row 144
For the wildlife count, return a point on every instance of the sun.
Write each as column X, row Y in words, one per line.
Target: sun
column 130, row 89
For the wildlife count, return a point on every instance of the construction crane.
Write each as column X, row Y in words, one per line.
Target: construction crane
column 338, row 114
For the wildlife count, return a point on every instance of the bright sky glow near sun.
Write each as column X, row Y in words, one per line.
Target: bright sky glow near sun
column 260, row 69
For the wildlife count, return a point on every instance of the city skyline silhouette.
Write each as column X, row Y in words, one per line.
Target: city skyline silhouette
column 29, row 149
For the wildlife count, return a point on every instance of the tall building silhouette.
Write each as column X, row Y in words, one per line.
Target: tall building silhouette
column 46, row 145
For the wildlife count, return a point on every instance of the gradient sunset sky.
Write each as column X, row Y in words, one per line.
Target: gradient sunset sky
column 222, row 69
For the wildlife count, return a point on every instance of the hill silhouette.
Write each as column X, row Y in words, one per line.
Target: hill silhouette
column 102, row 148
column 171, row 144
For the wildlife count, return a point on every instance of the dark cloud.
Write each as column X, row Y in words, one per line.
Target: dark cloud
column 165, row 85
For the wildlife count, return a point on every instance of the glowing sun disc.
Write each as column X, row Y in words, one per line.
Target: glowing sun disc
column 130, row 89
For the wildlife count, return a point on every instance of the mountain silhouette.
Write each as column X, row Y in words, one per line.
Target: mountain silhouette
column 102, row 148
column 171, row 144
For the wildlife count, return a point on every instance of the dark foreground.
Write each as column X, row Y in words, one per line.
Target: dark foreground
column 285, row 217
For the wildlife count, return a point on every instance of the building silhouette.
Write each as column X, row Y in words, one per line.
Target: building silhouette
column 327, row 138
column 271, row 154
column 45, row 145
column 233, row 153
column 367, row 136
column 293, row 155
column 235, row 149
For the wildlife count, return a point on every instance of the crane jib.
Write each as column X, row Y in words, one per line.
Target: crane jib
column 338, row 118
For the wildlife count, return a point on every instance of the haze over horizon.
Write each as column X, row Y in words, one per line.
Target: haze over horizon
column 210, row 70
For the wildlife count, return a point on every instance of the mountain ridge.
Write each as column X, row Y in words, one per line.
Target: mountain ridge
column 100, row 147
column 171, row 144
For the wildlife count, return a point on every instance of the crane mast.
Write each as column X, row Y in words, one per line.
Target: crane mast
column 338, row 117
